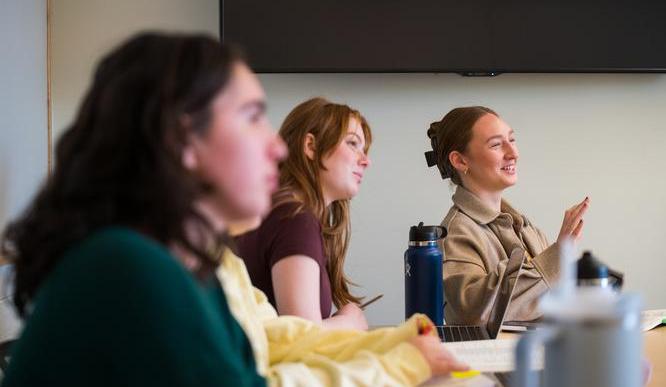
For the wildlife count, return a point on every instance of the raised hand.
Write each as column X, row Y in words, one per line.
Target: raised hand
column 572, row 224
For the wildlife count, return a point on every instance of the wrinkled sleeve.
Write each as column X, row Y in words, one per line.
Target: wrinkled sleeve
column 471, row 282
column 537, row 276
column 548, row 261
column 469, row 286
column 302, row 354
column 292, row 351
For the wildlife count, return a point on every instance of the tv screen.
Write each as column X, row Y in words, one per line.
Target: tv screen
column 468, row 37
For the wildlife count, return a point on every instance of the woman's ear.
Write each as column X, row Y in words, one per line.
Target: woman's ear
column 309, row 146
column 189, row 155
column 189, row 158
column 458, row 162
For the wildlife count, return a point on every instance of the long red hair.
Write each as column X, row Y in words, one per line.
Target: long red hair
column 300, row 179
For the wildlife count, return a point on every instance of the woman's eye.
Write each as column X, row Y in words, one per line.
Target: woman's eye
column 512, row 140
column 495, row 145
column 353, row 143
column 254, row 118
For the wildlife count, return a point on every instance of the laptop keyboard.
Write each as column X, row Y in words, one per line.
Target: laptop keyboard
column 504, row 378
column 453, row 333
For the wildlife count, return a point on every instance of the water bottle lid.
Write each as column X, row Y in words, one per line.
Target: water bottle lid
column 426, row 233
column 590, row 267
column 566, row 302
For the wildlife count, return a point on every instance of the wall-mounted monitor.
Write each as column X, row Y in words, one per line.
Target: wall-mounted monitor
column 462, row 36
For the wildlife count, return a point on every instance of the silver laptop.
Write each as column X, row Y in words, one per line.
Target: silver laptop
column 451, row 333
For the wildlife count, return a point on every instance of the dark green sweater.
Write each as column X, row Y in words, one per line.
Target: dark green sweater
column 119, row 310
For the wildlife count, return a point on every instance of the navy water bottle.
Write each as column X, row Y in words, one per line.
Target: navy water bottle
column 423, row 273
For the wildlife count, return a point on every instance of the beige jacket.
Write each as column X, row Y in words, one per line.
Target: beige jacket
column 476, row 251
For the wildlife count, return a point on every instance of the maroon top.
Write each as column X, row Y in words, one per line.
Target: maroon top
column 281, row 235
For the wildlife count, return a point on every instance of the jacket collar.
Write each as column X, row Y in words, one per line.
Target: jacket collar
column 471, row 205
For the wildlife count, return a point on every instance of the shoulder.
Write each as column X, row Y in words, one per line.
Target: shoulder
column 290, row 211
column 114, row 262
column 453, row 212
column 118, row 248
column 291, row 217
column 292, row 230
column 457, row 222
column 118, row 239
column 113, row 276
column 465, row 239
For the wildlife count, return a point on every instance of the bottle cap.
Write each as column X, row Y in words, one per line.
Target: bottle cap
column 566, row 302
column 423, row 233
column 590, row 267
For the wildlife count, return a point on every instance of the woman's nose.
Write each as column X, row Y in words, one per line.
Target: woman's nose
column 364, row 160
column 511, row 151
column 279, row 148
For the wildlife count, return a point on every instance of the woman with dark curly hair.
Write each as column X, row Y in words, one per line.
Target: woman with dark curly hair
column 115, row 257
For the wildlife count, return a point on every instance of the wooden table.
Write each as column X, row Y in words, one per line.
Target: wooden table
column 655, row 350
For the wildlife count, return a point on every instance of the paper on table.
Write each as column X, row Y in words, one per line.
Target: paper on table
column 490, row 355
column 652, row 318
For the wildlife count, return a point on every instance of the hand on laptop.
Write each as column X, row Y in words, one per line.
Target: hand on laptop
column 440, row 360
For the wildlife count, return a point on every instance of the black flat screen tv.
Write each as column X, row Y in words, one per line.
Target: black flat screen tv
column 473, row 37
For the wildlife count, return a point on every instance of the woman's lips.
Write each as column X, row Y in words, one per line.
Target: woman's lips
column 359, row 176
column 272, row 182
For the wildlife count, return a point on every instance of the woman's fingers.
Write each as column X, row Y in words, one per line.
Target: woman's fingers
column 582, row 207
column 440, row 360
column 457, row 366
column 578, row 230
column 577, row 216
column 572, row 224
column 578, row 210
column 449, row 364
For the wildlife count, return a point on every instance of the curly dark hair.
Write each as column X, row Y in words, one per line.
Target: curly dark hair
column 119, row 163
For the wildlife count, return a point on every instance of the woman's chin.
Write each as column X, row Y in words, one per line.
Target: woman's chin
column 511, row 182
column 353, row 191
column 256, row 209
column 348, row 195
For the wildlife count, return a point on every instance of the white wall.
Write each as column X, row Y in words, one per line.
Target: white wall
column 23, row 125
column 84, row 30
column 582, row 134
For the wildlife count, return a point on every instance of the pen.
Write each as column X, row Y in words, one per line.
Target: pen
column 365, row 304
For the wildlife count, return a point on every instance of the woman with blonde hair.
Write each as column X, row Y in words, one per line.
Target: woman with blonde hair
column 296, row 256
